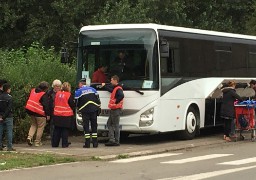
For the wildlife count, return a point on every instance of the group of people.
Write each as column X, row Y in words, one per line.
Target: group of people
column 227, row 111
column 88, row 104
column 57, row 107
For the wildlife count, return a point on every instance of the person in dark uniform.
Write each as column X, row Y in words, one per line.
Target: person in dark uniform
column 62, row 115
column 88, row 103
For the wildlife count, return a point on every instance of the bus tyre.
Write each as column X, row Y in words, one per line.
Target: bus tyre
column 192, row 120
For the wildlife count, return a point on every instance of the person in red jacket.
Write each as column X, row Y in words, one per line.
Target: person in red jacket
column 37, row 108
column 99, row 75
column 62, row 115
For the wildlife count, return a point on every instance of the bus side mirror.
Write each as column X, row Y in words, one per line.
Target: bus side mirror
column 64, row 55
column 164, row 49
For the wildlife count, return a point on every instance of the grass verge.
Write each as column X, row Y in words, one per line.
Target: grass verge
column 16, row 160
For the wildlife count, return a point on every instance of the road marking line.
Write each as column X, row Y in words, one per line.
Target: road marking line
column 208, row 174
column 141, row 158
column 198, row 158
column 240, row 162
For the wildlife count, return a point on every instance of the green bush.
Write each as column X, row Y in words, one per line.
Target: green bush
column 24, row 69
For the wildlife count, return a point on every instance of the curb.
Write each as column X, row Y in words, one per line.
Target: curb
column 159, row 151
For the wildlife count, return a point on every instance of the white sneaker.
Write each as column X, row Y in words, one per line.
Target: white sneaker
column 29, row 141
column 37, row 144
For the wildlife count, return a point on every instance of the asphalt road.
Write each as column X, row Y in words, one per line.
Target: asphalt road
column 235, row 160
column 132, row 146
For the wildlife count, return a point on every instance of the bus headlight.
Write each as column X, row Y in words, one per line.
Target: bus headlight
column 79, row 118
column 146, row 118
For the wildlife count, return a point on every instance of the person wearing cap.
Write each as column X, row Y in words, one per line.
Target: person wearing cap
column 37, row 108
column 99, row 75
column 88, row 103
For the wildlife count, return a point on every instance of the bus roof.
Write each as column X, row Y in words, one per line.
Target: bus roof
column 168, row 28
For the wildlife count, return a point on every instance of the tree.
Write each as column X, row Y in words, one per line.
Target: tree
column 228, row 16
column 251, row 23
column 48, row 22
column 122, row 11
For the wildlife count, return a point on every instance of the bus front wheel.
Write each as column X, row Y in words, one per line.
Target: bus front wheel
column 192, row 120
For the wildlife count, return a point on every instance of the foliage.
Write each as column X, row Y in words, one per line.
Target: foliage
column 50, row 22
column 122, row 11
column 26, row 68
column 251, row 23
column 228, row 16
column 53, row 23
column 122, row 156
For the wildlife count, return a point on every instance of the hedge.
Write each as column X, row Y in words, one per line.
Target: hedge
column 24, row 69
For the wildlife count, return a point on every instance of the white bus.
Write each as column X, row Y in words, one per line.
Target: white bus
column 173, row 76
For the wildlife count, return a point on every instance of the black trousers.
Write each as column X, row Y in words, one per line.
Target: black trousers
column 60, row 133
column 88, row 118
column 227, row 126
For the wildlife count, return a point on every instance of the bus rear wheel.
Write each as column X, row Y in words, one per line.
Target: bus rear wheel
column 192, row 120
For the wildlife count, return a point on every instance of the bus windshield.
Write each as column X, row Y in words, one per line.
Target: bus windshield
column 130, row 54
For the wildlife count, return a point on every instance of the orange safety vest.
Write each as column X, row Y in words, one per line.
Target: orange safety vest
column 61, row 106
column 112, row 102
column 33, row 103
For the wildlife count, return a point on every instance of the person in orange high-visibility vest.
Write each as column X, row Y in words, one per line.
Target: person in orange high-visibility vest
column 115, row 105
column 62, row 115
column 38, row 108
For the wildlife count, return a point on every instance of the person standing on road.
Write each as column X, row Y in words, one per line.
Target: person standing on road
column 62, row 115
column 227, row 111
column 2, row 82
column 56, row 86
column 88, row 103
column 115, row 105
column 6, row 116
column 38, row 108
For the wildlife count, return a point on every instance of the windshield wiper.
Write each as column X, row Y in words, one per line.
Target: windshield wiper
column 133, row 89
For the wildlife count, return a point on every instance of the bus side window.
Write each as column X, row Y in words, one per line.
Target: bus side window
column 171, row 64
